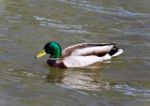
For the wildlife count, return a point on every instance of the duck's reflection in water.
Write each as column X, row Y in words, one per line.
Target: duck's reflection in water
column 78, row 79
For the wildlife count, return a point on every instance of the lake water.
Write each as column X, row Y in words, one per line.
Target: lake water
column 26, row 25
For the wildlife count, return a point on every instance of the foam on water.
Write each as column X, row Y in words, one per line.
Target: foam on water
column 13, row 19
column 4, row 38
column 60, row 26
column 131, row 91
column 88, row 6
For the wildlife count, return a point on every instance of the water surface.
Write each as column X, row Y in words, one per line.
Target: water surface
column 25, row 26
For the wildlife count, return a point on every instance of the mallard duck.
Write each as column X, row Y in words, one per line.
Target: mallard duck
column 79, row 55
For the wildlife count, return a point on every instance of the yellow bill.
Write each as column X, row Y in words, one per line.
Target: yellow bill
column 40, row 54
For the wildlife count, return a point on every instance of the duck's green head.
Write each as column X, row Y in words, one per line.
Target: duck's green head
column 52, row 48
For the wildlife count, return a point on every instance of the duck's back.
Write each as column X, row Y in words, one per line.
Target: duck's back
column 84, row 49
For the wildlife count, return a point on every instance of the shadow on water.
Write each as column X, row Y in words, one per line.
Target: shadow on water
column 79, row 78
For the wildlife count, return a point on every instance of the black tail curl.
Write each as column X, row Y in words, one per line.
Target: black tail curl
column 113, row 51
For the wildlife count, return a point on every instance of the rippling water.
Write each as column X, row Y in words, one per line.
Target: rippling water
column 25, row 26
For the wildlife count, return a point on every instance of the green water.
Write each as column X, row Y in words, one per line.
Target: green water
column 26, row 25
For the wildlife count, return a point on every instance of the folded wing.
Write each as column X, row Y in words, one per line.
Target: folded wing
column 87, row 49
